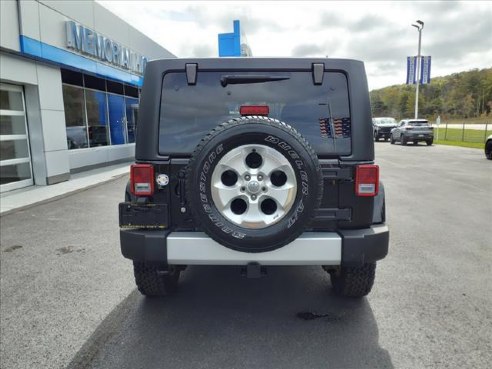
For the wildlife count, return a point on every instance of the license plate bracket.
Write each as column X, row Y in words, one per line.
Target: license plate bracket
column 143, row 216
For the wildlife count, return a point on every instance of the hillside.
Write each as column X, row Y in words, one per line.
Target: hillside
column 459, row 95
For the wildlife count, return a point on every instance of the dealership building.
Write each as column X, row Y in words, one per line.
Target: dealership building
column 70, row 79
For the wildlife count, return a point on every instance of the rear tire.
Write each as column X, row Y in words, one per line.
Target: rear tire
column 354, row 281
column 403, row 140
column 392, row 140
column 155, row 280
column 488, row 150
column 429, row 142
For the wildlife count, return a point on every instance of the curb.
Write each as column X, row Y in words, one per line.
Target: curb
column 61, row 196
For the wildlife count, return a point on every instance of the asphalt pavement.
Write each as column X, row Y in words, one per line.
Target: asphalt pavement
column 68, row 299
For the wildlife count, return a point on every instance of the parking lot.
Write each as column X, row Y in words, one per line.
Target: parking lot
column 68, row 298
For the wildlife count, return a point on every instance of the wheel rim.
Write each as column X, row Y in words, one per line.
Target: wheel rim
column 253, row 186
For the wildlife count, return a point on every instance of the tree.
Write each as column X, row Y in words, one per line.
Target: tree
column 459, row 95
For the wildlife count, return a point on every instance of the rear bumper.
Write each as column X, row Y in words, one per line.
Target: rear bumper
column 386, row 131
column 414, row 136
column 346, row 247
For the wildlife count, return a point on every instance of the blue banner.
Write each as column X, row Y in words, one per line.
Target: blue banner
column 411, row 69
column 425, row 67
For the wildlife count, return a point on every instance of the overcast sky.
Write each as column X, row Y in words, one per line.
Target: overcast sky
column 458, row 35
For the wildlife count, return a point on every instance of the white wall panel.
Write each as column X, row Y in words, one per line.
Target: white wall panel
column 52, row 27
column 29, row 19
column 122, row 152
column 17, row 70
column 9, row 35
column 100, row 155
column 54, row 131
column 57, row 163
column 80, row 10
column 50, row 87
column 85, row 157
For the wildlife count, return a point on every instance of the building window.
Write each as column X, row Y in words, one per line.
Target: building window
column 117, row 120
column 97, row 118
column 131, row 106
column 73, row 100
column 100, row 112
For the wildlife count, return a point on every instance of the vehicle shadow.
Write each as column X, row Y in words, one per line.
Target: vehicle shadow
column 219, row 319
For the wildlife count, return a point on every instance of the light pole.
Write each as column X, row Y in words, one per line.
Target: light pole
column 420, row 27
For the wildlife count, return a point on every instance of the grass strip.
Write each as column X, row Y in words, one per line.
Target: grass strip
column 474, row 145
column 457, row 134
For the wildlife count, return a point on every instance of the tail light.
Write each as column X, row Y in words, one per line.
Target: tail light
column 408, row 128
column 366, row 180
column 254, row 110
column 142, row 179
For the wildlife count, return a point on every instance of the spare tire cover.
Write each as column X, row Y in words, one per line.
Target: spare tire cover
column 253, row 184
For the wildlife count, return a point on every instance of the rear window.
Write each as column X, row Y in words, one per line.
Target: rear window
column 384, row 121
column 321, row 113
column 420, row 123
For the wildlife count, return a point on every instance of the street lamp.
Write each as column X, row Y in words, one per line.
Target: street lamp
column 420, row 27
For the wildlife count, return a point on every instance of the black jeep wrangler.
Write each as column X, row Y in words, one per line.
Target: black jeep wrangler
column 254, row 162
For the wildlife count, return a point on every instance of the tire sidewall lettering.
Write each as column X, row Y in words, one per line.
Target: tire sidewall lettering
column 208, row 208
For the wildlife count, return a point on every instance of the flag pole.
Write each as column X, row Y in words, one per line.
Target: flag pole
column 419, row 27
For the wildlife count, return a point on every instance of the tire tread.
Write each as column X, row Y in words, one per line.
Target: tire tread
column 354, row 281
column 150, row 283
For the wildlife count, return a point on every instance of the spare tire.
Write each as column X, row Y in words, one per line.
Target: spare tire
column 253, row 184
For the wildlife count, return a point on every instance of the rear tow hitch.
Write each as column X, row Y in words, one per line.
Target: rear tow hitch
column 253, row 270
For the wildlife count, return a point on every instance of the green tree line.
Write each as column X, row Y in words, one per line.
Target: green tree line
column 459, row 95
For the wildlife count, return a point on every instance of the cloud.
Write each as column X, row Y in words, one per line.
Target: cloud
column 456, row 34
column 203, row 51
column 307, row 50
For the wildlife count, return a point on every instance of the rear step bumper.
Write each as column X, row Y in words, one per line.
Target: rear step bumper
column 346, row 247
column 311, row 248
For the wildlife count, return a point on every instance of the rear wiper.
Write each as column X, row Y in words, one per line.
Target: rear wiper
column 249, row 78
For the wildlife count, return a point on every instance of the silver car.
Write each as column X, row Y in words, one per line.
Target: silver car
column 413, row 130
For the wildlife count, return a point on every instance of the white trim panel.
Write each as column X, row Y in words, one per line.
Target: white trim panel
column 80, row 158
column 311, row 248
column 4, row 163
column 12, row 137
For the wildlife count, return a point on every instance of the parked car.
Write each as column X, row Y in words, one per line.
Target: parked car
column 254, row 162
column 488, row 148
column 413, row 130
column 382, row 127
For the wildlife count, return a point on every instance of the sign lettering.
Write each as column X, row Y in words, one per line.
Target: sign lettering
column 89, row 42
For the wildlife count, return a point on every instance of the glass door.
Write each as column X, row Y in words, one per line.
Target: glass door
column 15, row 157
column 117, row 120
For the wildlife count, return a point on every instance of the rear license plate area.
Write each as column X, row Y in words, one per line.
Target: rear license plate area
column 143, row 216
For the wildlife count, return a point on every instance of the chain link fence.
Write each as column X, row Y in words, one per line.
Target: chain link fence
column 476, row 133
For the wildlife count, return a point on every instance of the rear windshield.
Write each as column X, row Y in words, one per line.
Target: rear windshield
column 421, row 123
column 321, row 113
column 384, row 121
